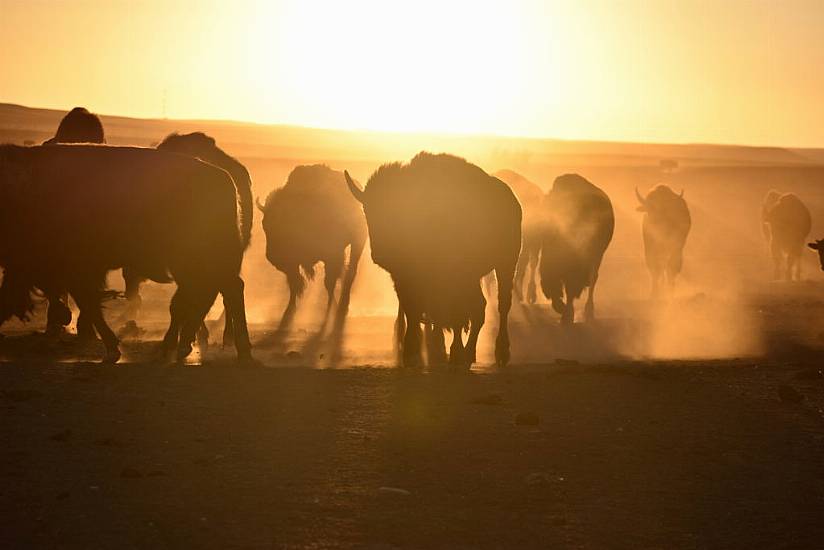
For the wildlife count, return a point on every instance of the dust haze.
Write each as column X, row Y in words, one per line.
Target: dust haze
column 725, row 303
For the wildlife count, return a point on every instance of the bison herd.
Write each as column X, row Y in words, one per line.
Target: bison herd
column 75, row 208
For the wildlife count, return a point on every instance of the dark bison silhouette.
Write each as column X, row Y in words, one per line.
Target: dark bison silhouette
column 770, row 200
column 789, row 224
column 665, row 228
column 438, row 225
column 818, row 246
column 203, row 147
column 578, row 223
column 314, row 218
column 530, row 197
column 165, row 215
column 78, row 126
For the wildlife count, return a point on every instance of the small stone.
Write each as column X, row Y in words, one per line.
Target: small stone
column 788, row 394
column 527, row 419
column 293, row 355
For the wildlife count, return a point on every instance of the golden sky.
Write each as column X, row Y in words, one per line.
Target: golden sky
column 723, row 71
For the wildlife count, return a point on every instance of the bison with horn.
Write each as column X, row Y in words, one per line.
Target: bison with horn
column 665, row 228
column 438, row 225
column 578, row 227
column 313, row 218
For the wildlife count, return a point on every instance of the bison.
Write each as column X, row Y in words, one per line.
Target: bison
column 789, row 223
column 313, row 218
column 530, row 197
column 665, row 228
column 78, row 126
column 203, row 147
column 578, row 223
column 438, row 225
column 818, row 246
column 165, row 215
column 770, row 200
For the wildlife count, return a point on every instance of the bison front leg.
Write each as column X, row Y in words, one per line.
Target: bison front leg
column 236, row 311
column 293, row 277
column 172, row 336
column 589, row 310
column 355, row 253
column 88, row 300
column 411, row 349
column 775, row 252
column 456, row 350
column 132, row 283
column 195, row 307
column 521, row 273
column 476, row 320
column 399, row 334
column 504, row 275
column 532, row 275
column 435, row 344
column 58, row 316
column 568, row 315
column 333, row 267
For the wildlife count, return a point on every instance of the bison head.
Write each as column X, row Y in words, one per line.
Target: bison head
column 818, row 246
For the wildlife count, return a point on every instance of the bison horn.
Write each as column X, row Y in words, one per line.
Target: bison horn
column 682, row 193
column 640, row 198
column 259, row 204
column 356, row 191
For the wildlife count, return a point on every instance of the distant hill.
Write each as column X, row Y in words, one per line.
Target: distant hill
column 19, row 124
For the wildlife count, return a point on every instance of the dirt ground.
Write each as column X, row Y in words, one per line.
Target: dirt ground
column 591, row 454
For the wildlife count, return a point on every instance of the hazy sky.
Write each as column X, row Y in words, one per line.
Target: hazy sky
column 733, row 71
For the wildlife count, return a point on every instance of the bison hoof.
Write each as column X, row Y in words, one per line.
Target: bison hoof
column 112, row 356
column 183, row 352
column 245, row 359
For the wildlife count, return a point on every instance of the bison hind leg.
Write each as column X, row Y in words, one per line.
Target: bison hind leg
column 456, row 350
column 195, row 308
column 435, row 344
column 236, row 311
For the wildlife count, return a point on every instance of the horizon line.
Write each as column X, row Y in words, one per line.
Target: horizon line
column 453, row 134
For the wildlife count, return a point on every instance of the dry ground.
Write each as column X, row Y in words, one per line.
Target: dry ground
column 615, row 454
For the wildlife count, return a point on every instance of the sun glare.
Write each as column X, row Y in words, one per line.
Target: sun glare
column 381, row 65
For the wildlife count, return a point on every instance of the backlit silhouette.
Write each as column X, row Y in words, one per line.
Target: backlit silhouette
column 437, row 225
column 165, row 215
column 313, row 218
column 665, row 228
column 578, row 223
column 789, row 225
column 199, row 145
column 530, row 197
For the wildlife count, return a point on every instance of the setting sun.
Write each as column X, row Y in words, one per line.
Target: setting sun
column 638, row 71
